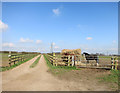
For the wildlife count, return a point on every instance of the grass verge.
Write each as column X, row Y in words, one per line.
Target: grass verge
column 13, row 66
column 113, row 78
column 59, row 69
column 35, row 62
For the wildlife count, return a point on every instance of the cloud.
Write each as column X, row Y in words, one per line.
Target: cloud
column 27, row 40
column 3, row 26
column 38, row 41
column 56, row 11
column 113, row 41
column 89, row 38
column 8, row 45
column 56, row 47
column 53, row 43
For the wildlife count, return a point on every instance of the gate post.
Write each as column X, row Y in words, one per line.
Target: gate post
column 54, row 59
column 10, row 61
column 112, row 63
column 9, row 56
column 56, row 63
column 72, row 60
column 80, row 60
column 69, row 60
column 84, row 57
column 97, row 60
column 23, row 57
column 116, row 63
column 14, row 59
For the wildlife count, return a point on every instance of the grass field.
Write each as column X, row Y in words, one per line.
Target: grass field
column 5, row 58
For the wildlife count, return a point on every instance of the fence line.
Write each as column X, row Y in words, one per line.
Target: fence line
column 69, row 60
column 19, row 58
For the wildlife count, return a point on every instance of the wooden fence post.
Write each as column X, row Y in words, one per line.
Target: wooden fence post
column 14, row 59
column 97, row 60
column 112, row 63
column 84, row 58
column 9, row 58
column 10, row 61
column 72, row 60
column 116, row 63
column 69, row 60
column 18, row 57
column 23, row 57
column 54, row 59
column 77, row 60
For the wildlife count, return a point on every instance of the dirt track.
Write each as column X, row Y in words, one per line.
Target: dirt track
column 23, row 78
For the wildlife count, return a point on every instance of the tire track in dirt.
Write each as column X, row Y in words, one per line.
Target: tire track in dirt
column 32, row 79
column 23, row 78
column 10, row 75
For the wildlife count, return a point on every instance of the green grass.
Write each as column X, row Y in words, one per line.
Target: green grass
column 104, row 56
column 59, row 69
column 35, row 62
column 5, row 58
column 17, row 64
column 112, row 77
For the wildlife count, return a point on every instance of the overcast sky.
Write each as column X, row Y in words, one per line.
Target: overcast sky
column 92, row 27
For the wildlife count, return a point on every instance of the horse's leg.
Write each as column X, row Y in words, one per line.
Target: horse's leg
column 87, row 61
column 97, row 61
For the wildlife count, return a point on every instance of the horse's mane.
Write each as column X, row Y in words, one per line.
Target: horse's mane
column 86, row 53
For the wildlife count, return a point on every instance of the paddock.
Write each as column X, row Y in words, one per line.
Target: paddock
column 105, row 62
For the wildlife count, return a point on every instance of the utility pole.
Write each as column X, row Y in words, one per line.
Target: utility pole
column 107, row 53
column 51, row 47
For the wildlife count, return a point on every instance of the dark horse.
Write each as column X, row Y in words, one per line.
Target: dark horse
column 91, row 57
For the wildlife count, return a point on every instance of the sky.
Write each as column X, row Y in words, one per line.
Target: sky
column 33, row 26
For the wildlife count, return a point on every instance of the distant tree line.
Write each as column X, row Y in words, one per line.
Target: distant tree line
column 102, row 54
column 15, row 52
